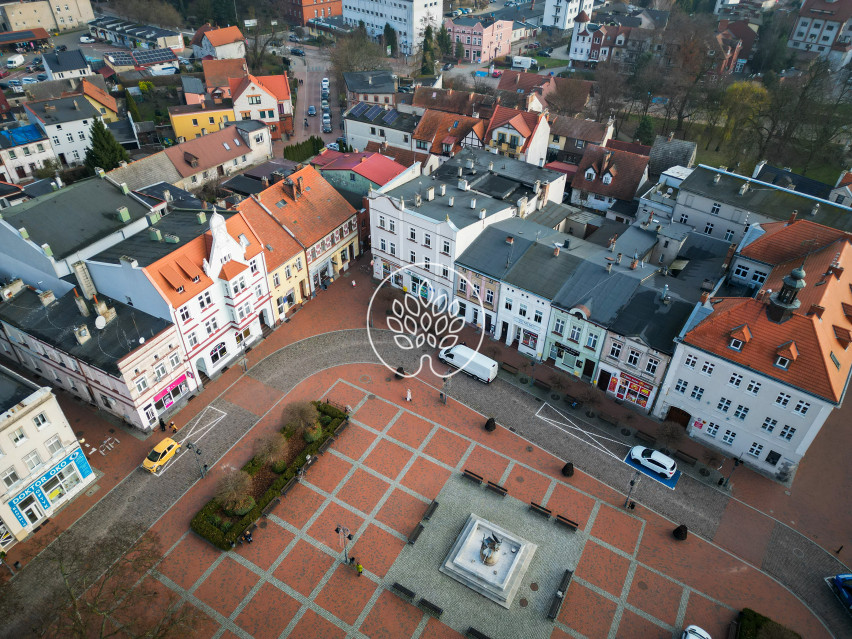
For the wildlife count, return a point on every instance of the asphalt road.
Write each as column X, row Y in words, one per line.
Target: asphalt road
column 311, row 69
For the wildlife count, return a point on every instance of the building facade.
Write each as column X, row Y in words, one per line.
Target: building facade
column 408, row 17
column 67, row 123
column 561, row 13
column 266, row 99
column 824, row 27
column 60, row 16
column 482, row 38
column 227, row 43
column 300, row 11
column 23, row 151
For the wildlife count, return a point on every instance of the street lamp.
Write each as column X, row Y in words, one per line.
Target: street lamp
column 201, row 469
column 345, row 538
column 636, row 477
column 737, row 462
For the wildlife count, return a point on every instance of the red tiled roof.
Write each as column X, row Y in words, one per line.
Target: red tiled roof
column 218, row 72
column 627, row 170
column 562, row 167
column 437, row 126
column 208, row 150
column 318, row 211
column 783, row 241
column 231, row 269
column 630, row 147
column 405, row 157
column 524, row 122
column 284, row 246
column 329, row 155
column 826, row 10
column 199, row 35
column 99, row 95
column 846, row 179
column 373, row 166
column 521, row 81
column 461, row 102
column 276, row 86
column 226, row 35
column 578, row 129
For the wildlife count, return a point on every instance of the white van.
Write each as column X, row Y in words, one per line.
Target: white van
column 523, row 62
column 469, row 361
column 14, row 61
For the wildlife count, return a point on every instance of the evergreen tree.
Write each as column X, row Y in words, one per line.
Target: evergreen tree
column 132, row 108
column 645, row 133
column 459, row 50
column 427, row 66
column 445, row 45
column 390, row 38
column 105, row 151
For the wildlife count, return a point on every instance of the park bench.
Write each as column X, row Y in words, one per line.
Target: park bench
column 431, row 510
column 270, row 506
column 559, row 597
column 686, row 457
column 473, row 633
column 469, row 474
column 569, row 523
column 325, row 445
column 496, row 488
column 608, row 419
column 341, row 427
column 403, row 590
column 645, row 437
column 433, row 608
column 542, row 384
column 509, row 368
column 541, row 510
column 293, row 481
column 415, row 534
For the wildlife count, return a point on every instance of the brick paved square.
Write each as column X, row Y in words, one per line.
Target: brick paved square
column 736, row 518
column 708, row 615
column 377, row 413
column 446, row 447
column 570, row 503
column 633, row 625
column 617, row 528
column 332, row 515
column 345, row 394
column 312, row 626
column 388, row 458
column 602, row 567
column 226, row 586
column 345, row 594
column 363, row 490
column 527, row 485
column 188, row 561
column 203, row 627
column 303, row 567
column 377, row 549
column 330, row 469
column 436, row 630
column 268, row 613
column 353, row 441
column 410, row 429
column 148, row 600
column 253, row 395
column 391, row 618
column 270, row 540
column 299, row 505
column 490, row 465
column 426, row 478
column 401, row 512
column 655, row 594
column 587, row 612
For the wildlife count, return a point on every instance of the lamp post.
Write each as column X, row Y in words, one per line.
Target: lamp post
column 345, row 538
column 201, row 469
column 737, row 462
column 636, row 477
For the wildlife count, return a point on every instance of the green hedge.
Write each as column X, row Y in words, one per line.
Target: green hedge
column 208, row 522
column 753, row 624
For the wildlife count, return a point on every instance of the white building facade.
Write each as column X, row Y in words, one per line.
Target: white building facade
column 561, row 13
column 22, row 161
column 408, row 17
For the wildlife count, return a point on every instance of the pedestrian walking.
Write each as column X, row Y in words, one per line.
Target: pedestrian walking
column 162, row 425
column 408, row 395
column 360, row 569
column 173, row 427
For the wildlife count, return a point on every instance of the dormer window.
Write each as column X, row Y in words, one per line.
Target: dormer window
column 607, row 179
column 180, row 289
column 782, row 362
column 590, row 175
column 736, row 344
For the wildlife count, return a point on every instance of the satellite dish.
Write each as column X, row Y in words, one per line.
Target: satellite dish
column 100, row 322
column 141, row 340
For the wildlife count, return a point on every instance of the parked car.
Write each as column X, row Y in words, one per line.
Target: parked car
column 36, row 60
column 312, row 110
column 15, row 82
column 842, row 587
column 161, row 454
column 41, row 77
column 542, row 53
column 497, row 73
column 298, row 52
column 87, row 40
column 332, row 146
column 326, row 127
column 324, row 105
column 447, row 66
column 325, row 83
column 294, row 38
column 61, row 47
column 694, row 632
column 29, row 80
column 324, row 94
column 654, row 460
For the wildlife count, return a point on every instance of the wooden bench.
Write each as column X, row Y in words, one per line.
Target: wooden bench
column 559, row 597
column 566, row 580
column 288, row 486
column 309, row 462
column 645, row 437
column 686, row 457
column 415, row 534
column 473, row 633
column 431, row 510
column 469, row 474
column 572, row 402
column 341, row 427
column 433, row 608
column 497, row 488
column 272, row 504
column 541, row 510
column 570, row 523
column 608, row 419
column 403, row 590
column 555, row 606
column 325, row 445
column 509, row 368
column 542, row 384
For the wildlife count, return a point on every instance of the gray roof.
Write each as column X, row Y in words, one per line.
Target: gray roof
column 379, row 81
column 787, row 179
column 183, row 225
column 665, row 154
column 475, row 165
column 491, row 255
column 268, row 168
column 552, row 214
column 61, row 110
column 521, row 13
column 401, row 121
column 540, row 272
column 39, row 187
column 74, row 216
column 55, row 88
column 646, row 317
column 70, row 60
column 132, row 29
column 244, row 185
column 770, row 201
column 460, row 214
column 146, row 171
column 191, row 84
column 13, row 389
column 55, row 323
column 602, row 293
column 122, row 131
column 156, row 194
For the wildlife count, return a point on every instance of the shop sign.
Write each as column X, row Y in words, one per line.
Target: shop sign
column 77, row 457
column 180, row 380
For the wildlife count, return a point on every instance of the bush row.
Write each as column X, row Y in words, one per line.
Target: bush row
column 301, row 151
column 753, row 625
column 208, row 524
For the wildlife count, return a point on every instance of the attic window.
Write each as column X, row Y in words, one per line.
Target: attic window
column 225, row 144
column 196, row 279
column 607, row 179
column 243, row 240
column 590, row 175
column 180, row 289
column 236, row 142
column 835, row 360
column 782, row 362
column 736, row 344
column 281, row 204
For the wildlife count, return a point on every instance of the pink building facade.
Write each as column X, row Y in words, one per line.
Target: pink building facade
column 483, row 40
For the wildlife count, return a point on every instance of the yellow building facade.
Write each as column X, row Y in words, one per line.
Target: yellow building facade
column 191, row 121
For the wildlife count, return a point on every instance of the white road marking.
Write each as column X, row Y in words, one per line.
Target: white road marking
column 569, row 427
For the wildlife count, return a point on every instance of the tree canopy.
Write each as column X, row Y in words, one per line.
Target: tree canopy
column 105, row 152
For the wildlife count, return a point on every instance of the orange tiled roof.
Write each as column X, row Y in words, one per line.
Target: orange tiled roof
column 438, row 126
column 808, row 338
column 178, row 268
column 231, row 269
column 627, row 170
column 524, row 122
column 276, row 86
column 461, row 102
column 209, row 151
column 99, row 95
column 846, row 179
column 516, row 81
column 284, row 246
column 218, row 72
column 199, row 35
column 315, row 213
column 783, row 241
column 225, row 35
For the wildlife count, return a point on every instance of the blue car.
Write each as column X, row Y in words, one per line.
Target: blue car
column 312, row 110
column 842, row 587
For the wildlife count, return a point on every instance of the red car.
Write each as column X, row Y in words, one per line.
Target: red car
column 497, row 74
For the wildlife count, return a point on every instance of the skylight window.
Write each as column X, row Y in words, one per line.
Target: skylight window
column 236, row 141
column 280, row 204
column 225, row 144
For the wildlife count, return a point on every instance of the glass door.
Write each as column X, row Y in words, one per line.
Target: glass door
column 31, row 509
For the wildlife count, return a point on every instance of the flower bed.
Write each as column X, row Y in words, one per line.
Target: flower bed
column 221, row 529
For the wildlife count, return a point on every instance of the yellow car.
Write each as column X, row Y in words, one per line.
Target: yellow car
column 162, row 453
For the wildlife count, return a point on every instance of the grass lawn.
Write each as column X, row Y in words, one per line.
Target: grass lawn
column 549, row 63
column 152, row 102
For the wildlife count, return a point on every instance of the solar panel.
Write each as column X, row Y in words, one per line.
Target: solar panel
column 152, row 56
column 390, row 116
column 359, row 108
column 374, row 112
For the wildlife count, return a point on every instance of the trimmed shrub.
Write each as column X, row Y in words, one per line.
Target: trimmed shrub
column 491, row 424
column 568, row 470
column 279, row 467
column 241, row 508
column 332, row 411
column 253, row 465
column 325, row 420
column 754, row 625
column 681, row 532
column 313, row 434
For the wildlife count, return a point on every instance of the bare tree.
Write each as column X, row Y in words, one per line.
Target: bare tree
column 355, row 52
column 609, row 91
column 262, row 35
column 270, row 448
column 101, row 601
column 148, row 12
column 300, row 415
column 232, row 490
column 670, row 433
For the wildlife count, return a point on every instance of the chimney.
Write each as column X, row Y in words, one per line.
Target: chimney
column 665, row 292
column 744, row 188
column 84, row 279
column 510, row 240
column 155, row 235
column 81, row 333
column 45, row 248
column 716, row 178
column 76, row 106
column 430, row 194
column 792, row 217
column 491, row 166
column 452, row 200
column 472, row 202
column 203, row 105
column 300, row 183
column 704, row 297
column 462, row 185
column 482, row 213
column 417, row 200
column 12, row 288
column 460, row 171
column 556, row 251
column 370, row 80
column 24, row 233
column 47, row 298
column 609, row 267
column 443, row 190
column 265, row 181
column 618, row 259
column 671, row 136
column 123, row 213
column 167, row 196
column 101, row 173
column 541, row 163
